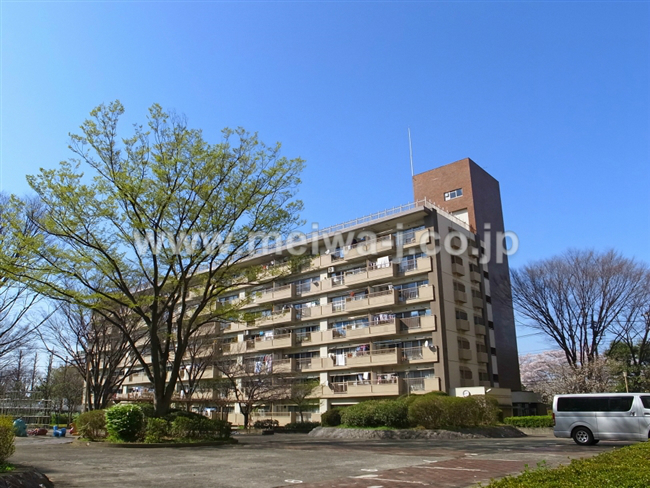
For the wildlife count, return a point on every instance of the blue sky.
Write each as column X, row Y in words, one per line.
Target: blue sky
column 551, row 98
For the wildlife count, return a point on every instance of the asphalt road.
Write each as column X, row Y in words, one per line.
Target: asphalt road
column 290, row 459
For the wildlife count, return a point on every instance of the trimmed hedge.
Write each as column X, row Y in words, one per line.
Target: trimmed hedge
column 124, row 423
column 156, row 431
column 331, row 418
column 301, row 427
column 437, row 412
column 625, row 467
column 92, row 425
column 266, row 424
column 532, row 422
column 7, row 447
column 376, row 413
column 200, row 428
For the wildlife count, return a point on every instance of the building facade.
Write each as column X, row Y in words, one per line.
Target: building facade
column 396, row 303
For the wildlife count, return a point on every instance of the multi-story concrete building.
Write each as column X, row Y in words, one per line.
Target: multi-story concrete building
column 399, row 302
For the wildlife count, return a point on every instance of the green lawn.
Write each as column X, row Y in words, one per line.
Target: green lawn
column 626, row 467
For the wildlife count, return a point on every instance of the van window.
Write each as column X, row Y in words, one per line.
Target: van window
column 646, row 401
column 594, row 404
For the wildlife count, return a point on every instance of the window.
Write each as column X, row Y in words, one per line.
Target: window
column 457, row 260
column 459, row 287
column 646, row 401
column 449, row 195
column 594, row 404
column 466, row 374
column 460, row 315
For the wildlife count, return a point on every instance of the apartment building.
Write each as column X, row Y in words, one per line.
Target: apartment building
column 395, row 303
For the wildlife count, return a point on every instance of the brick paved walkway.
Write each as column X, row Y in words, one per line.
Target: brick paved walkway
column 451, row 473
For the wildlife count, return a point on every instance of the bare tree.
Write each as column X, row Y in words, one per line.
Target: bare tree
column 199, row 357
column 253, row 382
column 300, row 394
column 67, row 389
column 16, row 299
column 96, row 348
column 578, row 298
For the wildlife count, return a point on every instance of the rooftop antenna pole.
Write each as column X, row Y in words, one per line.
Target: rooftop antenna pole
column 410, row 151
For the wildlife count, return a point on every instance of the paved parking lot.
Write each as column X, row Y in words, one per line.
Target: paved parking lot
column 290, row 459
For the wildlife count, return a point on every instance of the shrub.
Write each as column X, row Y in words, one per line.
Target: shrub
column 200, row 428
column 156, row 431
column 301, row 426
column 392, row 413
column 362, row 414
column 91, row 425
column 148, row 410
column 426, row 411
column 539, row 421
column 331, row 418
column 436, row 412
column 124, row 423
column 7, row 446
column 266, row 424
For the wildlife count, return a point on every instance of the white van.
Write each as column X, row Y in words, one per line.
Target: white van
column 591, row 417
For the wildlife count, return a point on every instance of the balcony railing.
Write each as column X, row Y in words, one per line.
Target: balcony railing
column 424, row 292
column 377, row 299
column 274, row 341
column 419, row 354
column 285, row 292
column 285, row 316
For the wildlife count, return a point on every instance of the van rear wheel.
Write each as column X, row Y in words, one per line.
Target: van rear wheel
column 583, row 436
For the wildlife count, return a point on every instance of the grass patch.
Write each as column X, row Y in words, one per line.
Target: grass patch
column 5, row 468
column 533, row 422
column 622, row 468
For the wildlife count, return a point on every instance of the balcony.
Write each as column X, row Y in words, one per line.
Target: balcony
column 313, row 364
column 286, row 316
column 370, row 247
column 276, row 341
column 233, row 347
column 477, row 302
column 371, row 273
column 462, row 324
column 376, row 357
column 285, row 292
column 475, row 276
column 482, row 357
column 416, row 324
column 363, row 388
column 460, row 296
column 420, row 265
column 413, row 295
column 421, row 354
column 282, row 366
column 465, row 354
column 422, row 385
column 480, row 329
column 457, row 269
column 373, row 300
column 420, row 238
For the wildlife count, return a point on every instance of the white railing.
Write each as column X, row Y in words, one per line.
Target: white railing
column 334, row 229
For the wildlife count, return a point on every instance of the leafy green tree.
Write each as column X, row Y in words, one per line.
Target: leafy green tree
column 159, row 225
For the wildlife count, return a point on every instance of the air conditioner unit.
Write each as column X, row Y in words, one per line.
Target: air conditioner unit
column 330, row 269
